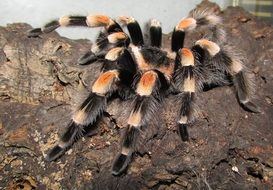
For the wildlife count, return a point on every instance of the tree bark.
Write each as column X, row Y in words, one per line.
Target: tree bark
column 41, row 83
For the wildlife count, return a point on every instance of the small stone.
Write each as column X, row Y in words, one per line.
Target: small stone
column 235, row 169
column 69, row 151
column 87, row 175
column 244, row 19
column 58, row 176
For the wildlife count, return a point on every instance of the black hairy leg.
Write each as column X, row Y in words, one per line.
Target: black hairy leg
column 87, row 113
column 145, row 105
column 224, row 63
column 185, row 80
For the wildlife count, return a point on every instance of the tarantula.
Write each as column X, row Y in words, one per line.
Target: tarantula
column 144, row 71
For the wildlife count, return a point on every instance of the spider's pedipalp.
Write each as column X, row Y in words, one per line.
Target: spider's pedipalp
column 134, row 30
column 155, row 33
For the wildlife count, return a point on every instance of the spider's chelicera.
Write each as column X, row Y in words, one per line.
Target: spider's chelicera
column 148, row 73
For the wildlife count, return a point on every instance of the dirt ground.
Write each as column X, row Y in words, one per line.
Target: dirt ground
column 229, row 148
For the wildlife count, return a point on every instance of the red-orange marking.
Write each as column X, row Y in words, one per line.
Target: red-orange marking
column 206, row 43
column 105, row 78
column 148, row 79
column 120, row 35
column 185, row 23
column 187, row 53
column 102, row 19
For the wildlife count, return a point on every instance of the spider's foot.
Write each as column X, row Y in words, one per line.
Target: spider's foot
column 120, row 164
column 34, row 32
column 249, row 106
column 183, row 132
column 55, row 153
column 87, row 58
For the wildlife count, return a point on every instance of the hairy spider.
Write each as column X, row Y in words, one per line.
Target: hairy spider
column 132, row 67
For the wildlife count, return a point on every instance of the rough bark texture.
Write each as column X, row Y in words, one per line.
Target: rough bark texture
column 229, row 147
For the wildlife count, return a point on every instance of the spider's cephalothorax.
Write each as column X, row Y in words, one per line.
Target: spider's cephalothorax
column 148, row 73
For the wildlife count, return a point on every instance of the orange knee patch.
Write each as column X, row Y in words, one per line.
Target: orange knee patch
column 114, row 53
column 187, row 23
column 212, row 47
column 116, row 37
column 98, row 20
column 187, row 57
column 104, row 82
column 146, row 84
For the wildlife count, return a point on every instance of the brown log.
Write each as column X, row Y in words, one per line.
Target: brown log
column 41, row 82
